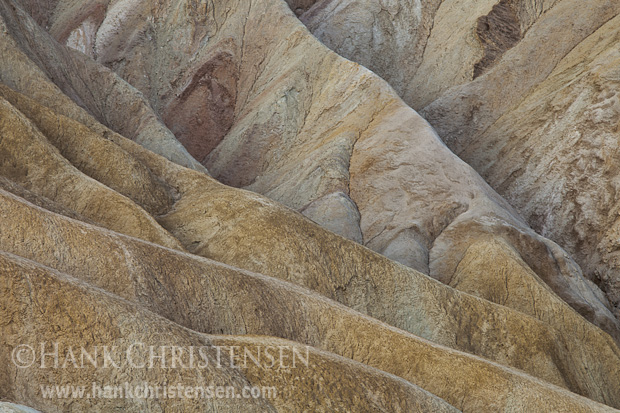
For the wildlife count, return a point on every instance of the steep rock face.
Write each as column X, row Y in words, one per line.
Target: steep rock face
column 104, row 242
column 522, row 47
column 388, row 37
column 567, row 188
column 562, row 104
column 254, row 304
column 477, row 105
column 203, row 220
column 263, row 237
column 423, row 48
column 24, row 150
column 36, row 62
column 301, row 125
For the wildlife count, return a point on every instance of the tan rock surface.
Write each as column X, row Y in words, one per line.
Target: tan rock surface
column 423, row 48
column 32, row 162
column 105, row 319
column 251, row 303
column 496, row 54
column 567, row 187
column 295, row 128
column 336, row 212
column 111, row 253
column 40, row 67
column 269, row 251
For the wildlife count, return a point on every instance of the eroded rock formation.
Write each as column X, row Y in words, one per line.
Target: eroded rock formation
column 539, row 126
column 113, row 233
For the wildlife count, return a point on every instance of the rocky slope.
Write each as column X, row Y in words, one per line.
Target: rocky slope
column 522, row 90
column 311, row 130
column 113, row 234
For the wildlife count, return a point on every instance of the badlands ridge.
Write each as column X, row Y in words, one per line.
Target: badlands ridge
column 254, row 174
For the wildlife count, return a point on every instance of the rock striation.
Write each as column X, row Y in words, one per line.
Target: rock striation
column 191, row 176
column 521, row 90
column 307, row 126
